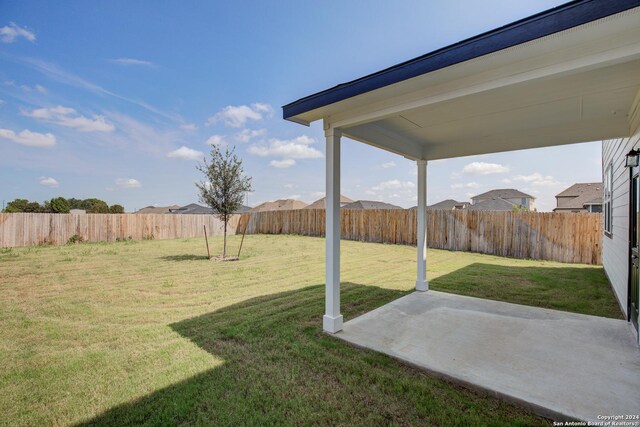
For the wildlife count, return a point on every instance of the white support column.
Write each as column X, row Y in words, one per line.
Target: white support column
column 421, row 283
column 332, row 320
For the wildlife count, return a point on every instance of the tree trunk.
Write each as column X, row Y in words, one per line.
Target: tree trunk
column 224, row 246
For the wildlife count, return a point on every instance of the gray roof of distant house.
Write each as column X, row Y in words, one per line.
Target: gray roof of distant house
column 503, row 193
column 448, row 204
column 370, row 204
column 194, row 208
column 320, row 203
column 579, row 195
column 156, row 209
column 496, row 204
column 279, row 205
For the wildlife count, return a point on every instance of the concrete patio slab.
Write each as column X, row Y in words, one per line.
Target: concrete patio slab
column 562, row 365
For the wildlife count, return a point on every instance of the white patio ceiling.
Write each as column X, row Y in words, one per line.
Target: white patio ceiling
column 577, row 85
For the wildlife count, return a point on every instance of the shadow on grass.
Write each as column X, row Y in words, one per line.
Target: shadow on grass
column 184, row 257
column 584, row 290
column 279, row 368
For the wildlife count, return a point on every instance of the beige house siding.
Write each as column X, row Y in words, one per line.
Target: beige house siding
column 615, row 248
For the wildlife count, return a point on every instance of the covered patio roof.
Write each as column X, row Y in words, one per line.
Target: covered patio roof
column 567, row 75
column 570, row 74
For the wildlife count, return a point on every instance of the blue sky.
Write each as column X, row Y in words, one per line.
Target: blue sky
column 117, row 100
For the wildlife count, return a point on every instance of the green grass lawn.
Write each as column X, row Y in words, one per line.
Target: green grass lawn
column 153, row 333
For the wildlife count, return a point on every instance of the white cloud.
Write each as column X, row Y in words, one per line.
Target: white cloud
column 68, row 117
column 237, row 116
column 247, row 135
column 189, row 127
column 482, row 168
column 128, row 183
column 394, row 184
column 538, row 180
column 26, row 137
column 293, row 196
column 217, row 140
column 388, row 165
column 466, row 185
column 132, row 61
column 186, row 153
column 47, row 181
column 262, row 107
column 10, row 33
column 282, row 164
column 296, row 148
column 317, row 193
column 41, row 89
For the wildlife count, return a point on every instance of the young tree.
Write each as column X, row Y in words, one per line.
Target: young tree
column 224, row 187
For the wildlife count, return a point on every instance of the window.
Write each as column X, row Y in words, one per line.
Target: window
column 608, row 195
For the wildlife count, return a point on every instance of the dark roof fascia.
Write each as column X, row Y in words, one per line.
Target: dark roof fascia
column 542, row 24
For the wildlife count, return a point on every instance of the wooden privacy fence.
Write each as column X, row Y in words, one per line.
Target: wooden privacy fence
column 563, row 237
column 26, row 229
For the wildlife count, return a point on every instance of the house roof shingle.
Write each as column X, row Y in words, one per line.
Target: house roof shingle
column 279, row 205
column 448, row 205
column 503, row 193
column 320, row 203
column 156, row 209
column 496, row 204
column 370, row 204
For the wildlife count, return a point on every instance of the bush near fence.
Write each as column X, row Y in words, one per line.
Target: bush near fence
column 563, row 237
column 27, row 229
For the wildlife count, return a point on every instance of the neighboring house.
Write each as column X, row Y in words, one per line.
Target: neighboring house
column 448, row 205
column 279, row 205
column 581, row 197
column 320, row 203
column 496, row 204
column 157, row 209
column 195, row 208
column 515, row 197
column 370, row 204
